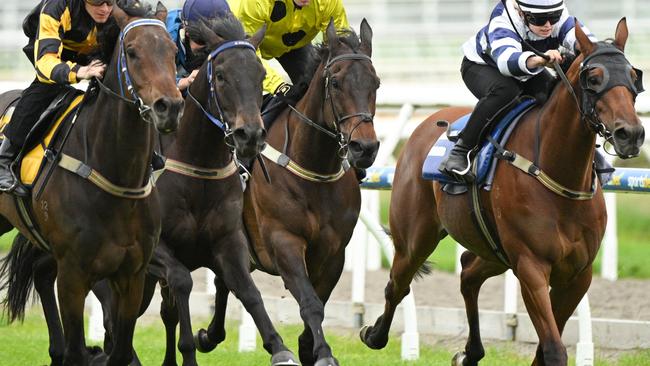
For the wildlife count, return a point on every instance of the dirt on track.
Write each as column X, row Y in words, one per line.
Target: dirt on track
column 622, row 299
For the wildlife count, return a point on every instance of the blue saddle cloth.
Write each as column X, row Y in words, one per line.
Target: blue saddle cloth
column 443, row 146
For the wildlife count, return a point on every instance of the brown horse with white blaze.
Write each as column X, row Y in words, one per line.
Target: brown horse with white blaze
column 549, row 240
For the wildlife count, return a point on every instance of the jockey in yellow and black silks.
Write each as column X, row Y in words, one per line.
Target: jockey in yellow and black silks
column 291, row 26
column 62, row 33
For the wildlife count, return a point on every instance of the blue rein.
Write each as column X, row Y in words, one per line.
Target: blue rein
column 122, row 66
column 220, row 121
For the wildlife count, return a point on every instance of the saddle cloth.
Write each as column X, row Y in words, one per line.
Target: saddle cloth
column 32, row 159
column 485, row 158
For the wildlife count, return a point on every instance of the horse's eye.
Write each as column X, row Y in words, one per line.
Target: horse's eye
column 219, row 76
column 335, row 83
column 593, row 80
column 130, row 52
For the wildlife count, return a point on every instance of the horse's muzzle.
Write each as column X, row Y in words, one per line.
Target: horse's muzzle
column 362, row 153
column 249, row 140
column 628, row 140
column 167, row 112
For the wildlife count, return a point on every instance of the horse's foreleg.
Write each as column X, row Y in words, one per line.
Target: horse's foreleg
column 564, row 300
column 534, row 279
column 169, row 316
column 207, row 340
column 179, row 283
column 72, row 288
column 234, row 264
column 475, row 272
column 289, row 257
column 44, row 276
column 128, row 297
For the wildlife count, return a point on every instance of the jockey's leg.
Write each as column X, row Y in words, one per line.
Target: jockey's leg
column 494, row 91
column 33, row 102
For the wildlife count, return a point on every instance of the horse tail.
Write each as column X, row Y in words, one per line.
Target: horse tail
column 425, row 269
column 17, row 277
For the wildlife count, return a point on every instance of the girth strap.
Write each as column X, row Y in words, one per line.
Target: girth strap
column 76, row 166
column 201, row 173
column 283, row 160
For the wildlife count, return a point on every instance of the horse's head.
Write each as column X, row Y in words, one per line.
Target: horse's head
column 234, row 78
column 351, row 90
column 609, row 85
column 146, row 67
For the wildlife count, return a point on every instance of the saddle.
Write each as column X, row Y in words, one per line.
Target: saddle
column 30, row 160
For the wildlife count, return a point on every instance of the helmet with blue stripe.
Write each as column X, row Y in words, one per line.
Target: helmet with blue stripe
column 194, row 10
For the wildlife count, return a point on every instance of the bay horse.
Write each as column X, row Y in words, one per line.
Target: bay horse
column 201, row 192
column 548, row 240
column 300, row 224
column 103, row 221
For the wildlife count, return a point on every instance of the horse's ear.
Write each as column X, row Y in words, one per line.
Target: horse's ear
column 586, row 46
column 120, row 16
column 161, row 12
column 620, row 38
column 258, row 37
column 332, row 37
column 366, row 38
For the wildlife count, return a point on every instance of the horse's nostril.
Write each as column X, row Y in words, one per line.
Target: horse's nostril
column 621, row 134
column 161, row 106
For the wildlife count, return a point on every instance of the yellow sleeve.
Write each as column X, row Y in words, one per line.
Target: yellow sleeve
column 50, row 69
column 252, row 14
column 333, row 9
column 273, row 79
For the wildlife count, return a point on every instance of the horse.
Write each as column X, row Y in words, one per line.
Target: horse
column 300, row 224
column 548, row 238
column 201, row 192
column 100, row 217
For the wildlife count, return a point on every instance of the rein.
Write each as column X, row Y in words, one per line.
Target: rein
column 83, row 170
column 232, row 167
column 334, row 133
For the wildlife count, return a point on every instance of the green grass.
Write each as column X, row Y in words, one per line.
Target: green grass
column 6, row 240
column 26, row 344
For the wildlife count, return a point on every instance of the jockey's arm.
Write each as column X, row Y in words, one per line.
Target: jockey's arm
column 50, row 69
column 333, row 10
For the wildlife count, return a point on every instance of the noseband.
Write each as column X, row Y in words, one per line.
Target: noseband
column 335, row 132
column 123, row 69
column 214, row 98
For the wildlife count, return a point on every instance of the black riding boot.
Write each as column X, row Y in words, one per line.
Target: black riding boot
column 8, row 153
column 458, row 163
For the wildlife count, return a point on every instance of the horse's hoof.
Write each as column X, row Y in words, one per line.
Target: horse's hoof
column 203, row 343
column 458, row 359
column 284, row 358
column 364, row 334
column 327, row 361
column 96, row 357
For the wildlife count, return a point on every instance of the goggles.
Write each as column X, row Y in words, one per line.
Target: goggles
column 540, row 19
column 101, row 2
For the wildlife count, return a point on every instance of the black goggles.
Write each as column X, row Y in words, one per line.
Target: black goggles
column 541, row 19
column 101, row 2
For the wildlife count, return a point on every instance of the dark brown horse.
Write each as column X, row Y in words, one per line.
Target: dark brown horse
column 106, row 230
column 201, row 192
column 300, row 224
column 549, row 240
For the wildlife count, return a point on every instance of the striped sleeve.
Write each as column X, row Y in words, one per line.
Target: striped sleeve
column 54, row 20
column 567, row 33
column 506, row 50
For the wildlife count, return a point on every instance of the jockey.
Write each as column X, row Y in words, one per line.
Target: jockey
column 498, row 66
column 291, row 26
column 62, row 33
column 187, row 62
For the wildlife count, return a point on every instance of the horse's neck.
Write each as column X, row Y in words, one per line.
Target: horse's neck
column 567, row 143
column 309, row 147
column 198, row 141
column 113, row 139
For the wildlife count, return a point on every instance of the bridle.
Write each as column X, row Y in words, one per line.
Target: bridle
column 213, row 98
column 335, row 132
column 123, row 71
